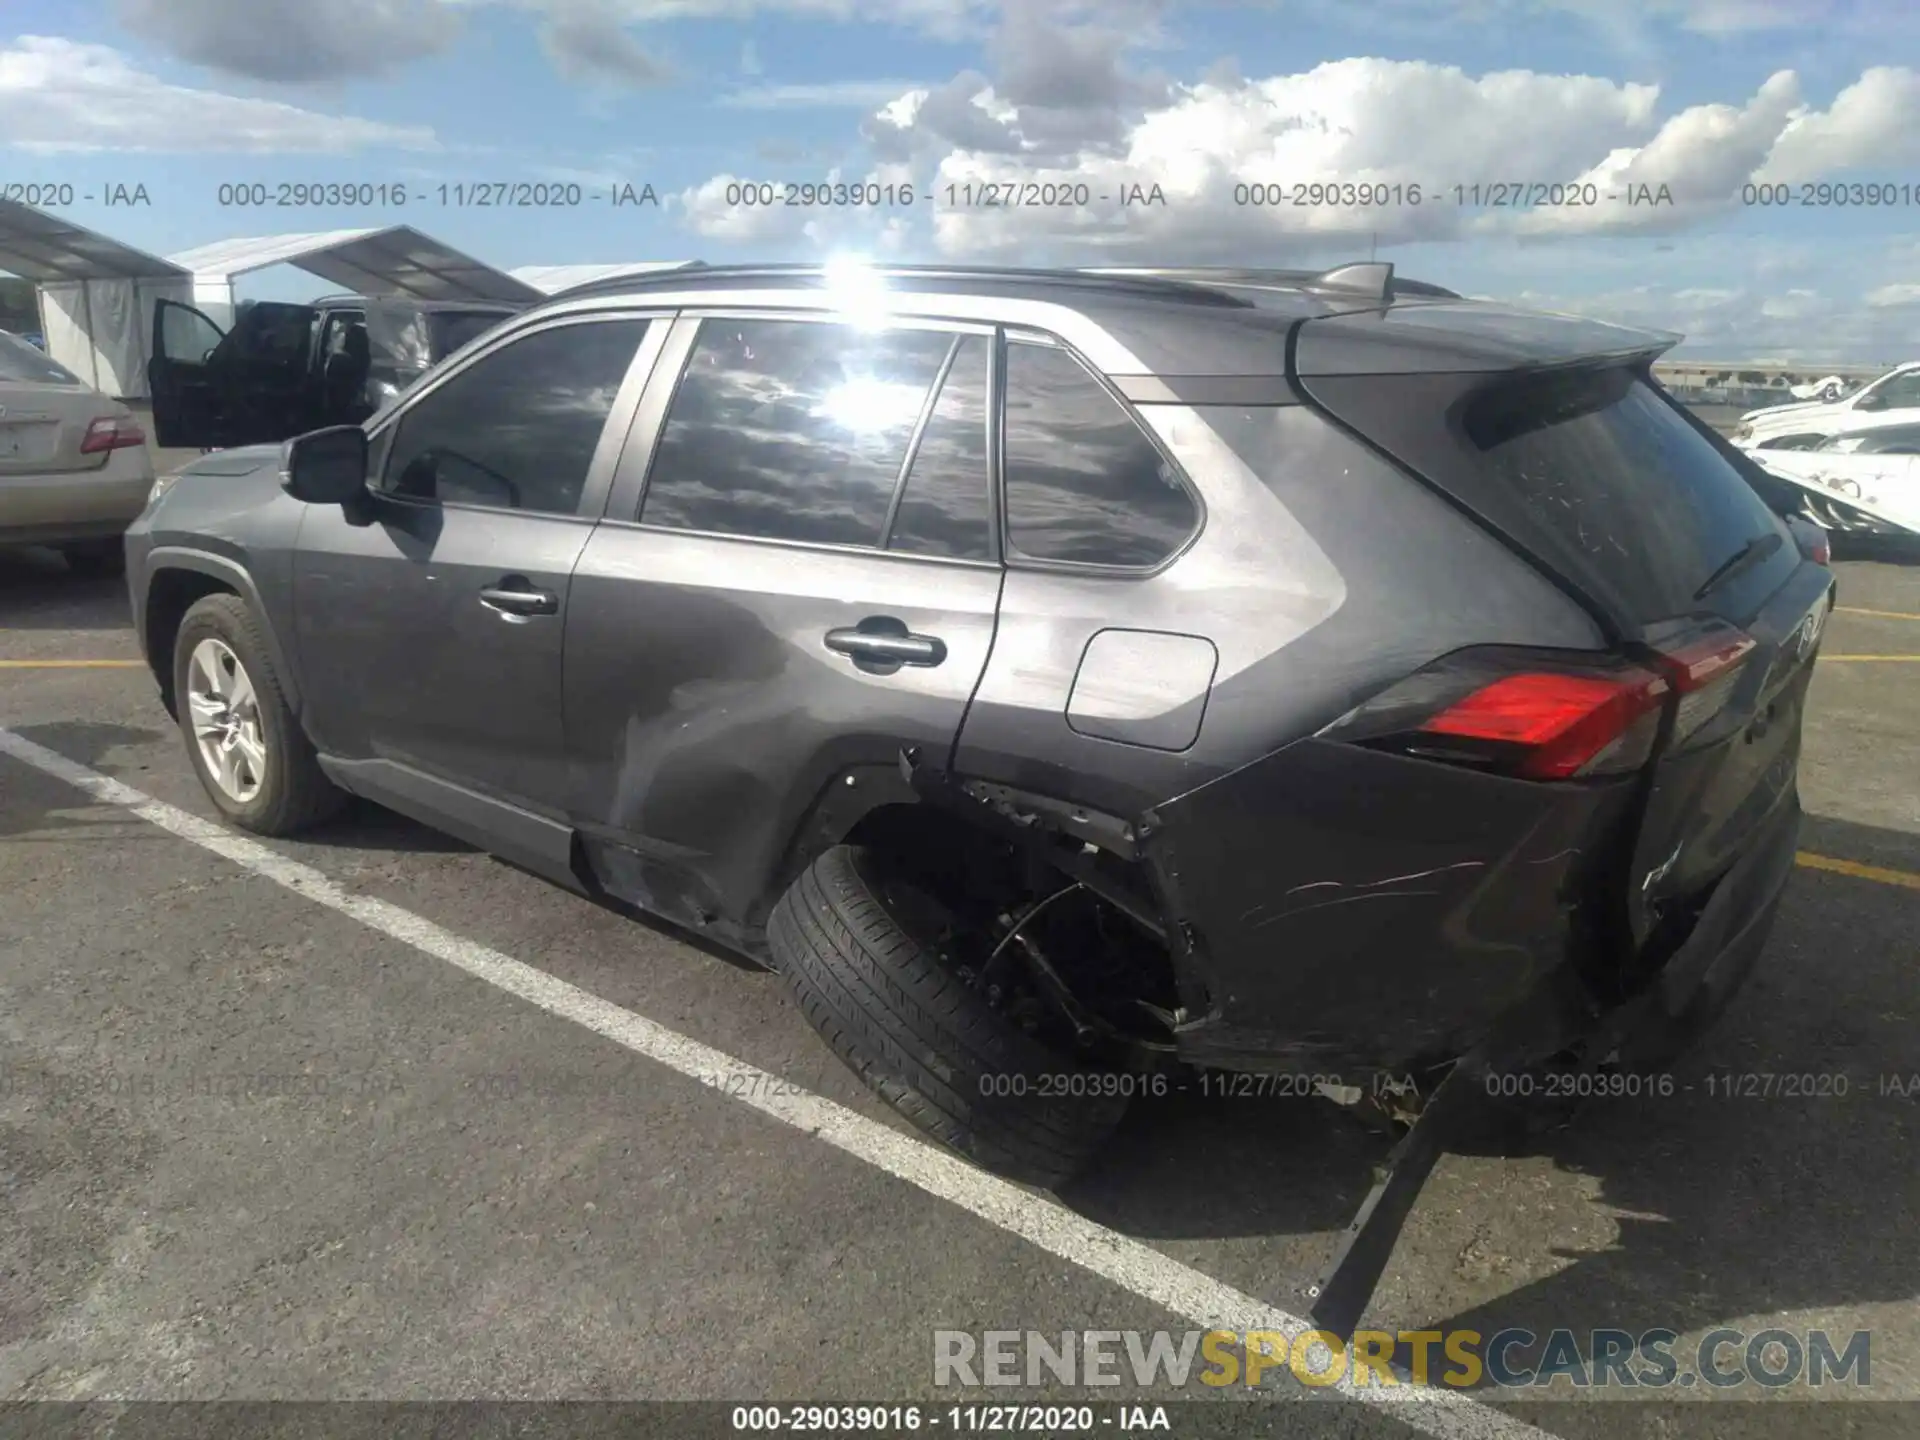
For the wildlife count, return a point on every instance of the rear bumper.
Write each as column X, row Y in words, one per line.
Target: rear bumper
column 79, row 505
column 1345, row 913
column 1694, row 986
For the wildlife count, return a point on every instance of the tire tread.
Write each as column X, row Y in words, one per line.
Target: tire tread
column 914, row 1032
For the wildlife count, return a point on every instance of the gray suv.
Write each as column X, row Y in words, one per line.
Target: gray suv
column 1074, row 683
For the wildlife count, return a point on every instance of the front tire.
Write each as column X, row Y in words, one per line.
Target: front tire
column 252, row 757
column 902, row 1019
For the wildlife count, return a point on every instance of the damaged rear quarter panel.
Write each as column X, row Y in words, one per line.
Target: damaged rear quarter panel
column 1354, row 909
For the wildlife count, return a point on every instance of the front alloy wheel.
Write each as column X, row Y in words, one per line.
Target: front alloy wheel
column 226, row 720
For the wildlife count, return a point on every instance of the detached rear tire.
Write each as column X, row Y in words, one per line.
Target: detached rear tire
column 902, row 1020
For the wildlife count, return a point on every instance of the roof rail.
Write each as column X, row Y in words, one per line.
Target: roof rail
column 1167, row 285
column 1365, row 279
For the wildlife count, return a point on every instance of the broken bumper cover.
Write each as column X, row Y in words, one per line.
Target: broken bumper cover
column 1685, row 997
column 1345, row 911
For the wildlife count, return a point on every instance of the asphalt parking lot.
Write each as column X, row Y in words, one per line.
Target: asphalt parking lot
column 373, row 1116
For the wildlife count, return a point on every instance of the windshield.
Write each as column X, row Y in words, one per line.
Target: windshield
column 22, row 364
column 1895, row 388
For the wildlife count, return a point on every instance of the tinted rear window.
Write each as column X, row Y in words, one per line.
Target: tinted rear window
column 1594, row 470
column 21, row 362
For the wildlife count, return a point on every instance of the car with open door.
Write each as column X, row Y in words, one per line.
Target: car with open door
column 283, row 369
column 1067, row 682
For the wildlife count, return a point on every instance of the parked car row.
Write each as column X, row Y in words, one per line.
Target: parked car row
column 1892, row 399
column 1867, row 481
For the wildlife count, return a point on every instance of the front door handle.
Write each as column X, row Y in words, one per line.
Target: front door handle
column 516, row 597
column 881, row 644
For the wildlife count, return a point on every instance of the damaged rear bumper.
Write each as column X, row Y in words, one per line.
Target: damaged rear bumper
column 1649, row 1029
column 1348, row 912
column 1461, row 920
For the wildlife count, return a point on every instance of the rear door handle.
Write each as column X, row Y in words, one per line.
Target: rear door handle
column 880, row 645
column 516, row 597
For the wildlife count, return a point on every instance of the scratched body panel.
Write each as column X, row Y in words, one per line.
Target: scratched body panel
column 1359, row 909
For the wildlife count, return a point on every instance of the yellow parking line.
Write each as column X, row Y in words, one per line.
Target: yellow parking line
column 1879, row 874
column 1907, row 659
column 71, row 664
column 1883, row 614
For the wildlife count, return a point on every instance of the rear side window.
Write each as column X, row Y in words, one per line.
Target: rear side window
column 944, row 507
column 1084, row 484
column 518, row 429
column 1591, row 469
column 791, row 429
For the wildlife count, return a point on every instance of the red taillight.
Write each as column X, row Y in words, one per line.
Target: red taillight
column 1703, row 672
column 1554, row 725
column 1694, row 667
column 111, row 433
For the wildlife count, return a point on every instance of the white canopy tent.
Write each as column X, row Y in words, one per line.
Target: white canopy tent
column 392, row 260
column 94, row 294
column 552, row 279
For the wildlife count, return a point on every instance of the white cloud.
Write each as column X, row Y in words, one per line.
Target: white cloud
column 828, row 95
column 1703, row 155
column 1380, row 123
column 59, row 95
column 1886, row 297
column 1874, row 121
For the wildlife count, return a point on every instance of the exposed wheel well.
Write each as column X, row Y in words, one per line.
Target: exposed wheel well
column 1111, row 965
column 170, row 594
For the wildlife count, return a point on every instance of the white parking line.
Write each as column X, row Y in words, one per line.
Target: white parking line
column 1140, row 1269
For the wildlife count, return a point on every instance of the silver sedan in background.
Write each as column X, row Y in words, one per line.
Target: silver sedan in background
column 74, row 465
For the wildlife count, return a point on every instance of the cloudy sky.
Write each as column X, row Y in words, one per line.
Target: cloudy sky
column 1219, row 105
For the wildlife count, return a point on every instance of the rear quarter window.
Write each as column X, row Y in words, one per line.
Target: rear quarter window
column 1084, row 484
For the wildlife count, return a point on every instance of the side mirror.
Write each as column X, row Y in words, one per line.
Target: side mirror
column 325, row 467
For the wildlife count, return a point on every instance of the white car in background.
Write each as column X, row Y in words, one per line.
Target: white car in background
column 1867, row 481
column 1895, row 396
column 1829, row 389
column 75, row 470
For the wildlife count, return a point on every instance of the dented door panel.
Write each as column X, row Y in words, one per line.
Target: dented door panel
column 706, row 711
